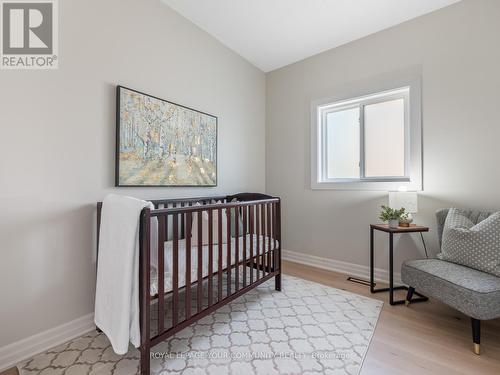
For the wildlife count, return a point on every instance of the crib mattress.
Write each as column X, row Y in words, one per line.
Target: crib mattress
column 168, row 264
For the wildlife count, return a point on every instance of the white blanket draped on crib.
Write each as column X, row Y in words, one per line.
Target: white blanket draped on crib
column 117, row 288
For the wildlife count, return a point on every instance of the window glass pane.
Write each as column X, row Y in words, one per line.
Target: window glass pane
column 342, row 133
column 384, row 139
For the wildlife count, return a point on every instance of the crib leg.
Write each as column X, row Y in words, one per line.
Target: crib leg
column 277, row 282
column 145, row 358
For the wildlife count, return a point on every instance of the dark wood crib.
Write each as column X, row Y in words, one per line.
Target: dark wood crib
column 248, row 256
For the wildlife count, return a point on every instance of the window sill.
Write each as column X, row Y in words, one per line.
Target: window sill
column 367, row 185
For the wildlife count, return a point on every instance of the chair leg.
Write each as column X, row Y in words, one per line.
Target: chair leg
column 476, row 335
column 409, row 295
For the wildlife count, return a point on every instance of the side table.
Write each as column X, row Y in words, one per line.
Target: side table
column 385, row 228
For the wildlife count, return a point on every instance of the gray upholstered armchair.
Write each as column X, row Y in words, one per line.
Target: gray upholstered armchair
column 474, row 293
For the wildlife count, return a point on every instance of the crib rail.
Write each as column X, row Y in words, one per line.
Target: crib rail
column 216, row 253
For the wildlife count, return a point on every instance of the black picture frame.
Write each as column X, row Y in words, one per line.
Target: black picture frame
column 118, row 183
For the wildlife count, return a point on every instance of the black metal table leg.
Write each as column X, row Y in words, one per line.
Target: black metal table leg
column 372, row 281
column 391, row 269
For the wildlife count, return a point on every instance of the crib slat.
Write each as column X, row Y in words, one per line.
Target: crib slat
column 166, row 227
column 263, row 223
column 228, row 264
column 269, row 236
column 244, row 212
column 275, row 235
column 263, row 238
column 257, row 227
column 251, row 209
column 268, row 239
column 187, row 289
column 175, row 270
column 161, row 274
column 219, row 258
column 183, row 221
column 199, row 282
column 272, row 235
column 210, row 255
column 236, row 249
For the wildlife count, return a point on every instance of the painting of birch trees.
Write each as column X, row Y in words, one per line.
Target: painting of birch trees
column 164, row 144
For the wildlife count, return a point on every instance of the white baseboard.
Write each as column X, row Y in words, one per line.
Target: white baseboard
column 349, row 269
column 12, row 354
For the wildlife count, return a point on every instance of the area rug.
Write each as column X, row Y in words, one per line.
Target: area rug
column 307, row 328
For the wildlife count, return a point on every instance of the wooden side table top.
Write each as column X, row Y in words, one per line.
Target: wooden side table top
column 410, row 229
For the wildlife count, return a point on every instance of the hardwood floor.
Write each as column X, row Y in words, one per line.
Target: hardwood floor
column 425, row 338
column 12, row 371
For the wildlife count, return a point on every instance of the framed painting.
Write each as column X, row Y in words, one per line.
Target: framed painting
column 160, row 143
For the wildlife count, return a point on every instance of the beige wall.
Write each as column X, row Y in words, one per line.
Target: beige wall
column 57, row 144
column 458, row 51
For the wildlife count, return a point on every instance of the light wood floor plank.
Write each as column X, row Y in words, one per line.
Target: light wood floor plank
column 425, row 338
column 11, row 371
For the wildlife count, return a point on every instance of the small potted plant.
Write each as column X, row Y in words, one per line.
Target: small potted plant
column 405, row 220
column 391, row 215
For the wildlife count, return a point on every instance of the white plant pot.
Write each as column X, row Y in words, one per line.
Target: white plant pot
column 393, row 223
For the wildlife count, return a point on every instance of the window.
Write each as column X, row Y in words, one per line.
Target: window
column 370, row 142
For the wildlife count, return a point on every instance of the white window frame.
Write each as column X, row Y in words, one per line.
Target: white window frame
column 408, row 89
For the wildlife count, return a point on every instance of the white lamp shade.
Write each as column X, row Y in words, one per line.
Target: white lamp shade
column 405, row 199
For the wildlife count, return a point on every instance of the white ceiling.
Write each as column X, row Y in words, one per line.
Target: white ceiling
column 274, row 33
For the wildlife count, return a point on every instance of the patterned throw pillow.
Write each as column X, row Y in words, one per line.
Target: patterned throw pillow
column 475, row 246
column 233, row 219
column 205, row 226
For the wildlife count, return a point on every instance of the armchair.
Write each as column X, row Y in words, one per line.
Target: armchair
column 472, row 292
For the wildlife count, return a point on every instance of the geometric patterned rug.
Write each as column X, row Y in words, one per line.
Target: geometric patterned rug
column 307, row 328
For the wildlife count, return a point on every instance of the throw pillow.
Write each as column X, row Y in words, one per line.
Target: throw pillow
column 204, row 227
column 475, row 246
column 232, row 215
column 240, row 221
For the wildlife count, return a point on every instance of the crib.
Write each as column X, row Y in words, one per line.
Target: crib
column 210, row 251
